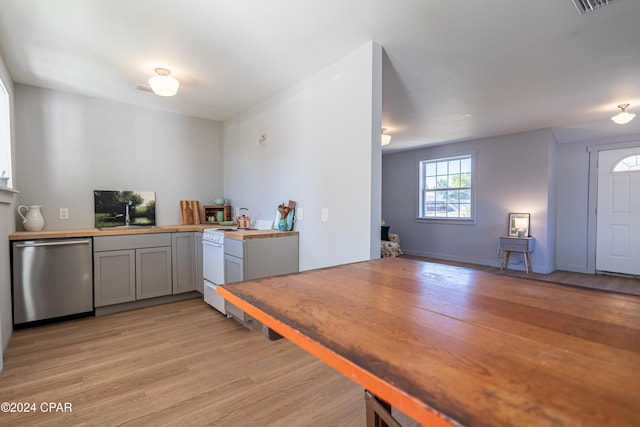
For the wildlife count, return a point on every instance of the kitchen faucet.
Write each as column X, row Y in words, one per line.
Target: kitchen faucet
column 127, row 219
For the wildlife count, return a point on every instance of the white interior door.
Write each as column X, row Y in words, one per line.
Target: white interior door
column 618, row 214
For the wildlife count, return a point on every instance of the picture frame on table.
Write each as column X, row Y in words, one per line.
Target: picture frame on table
column 519, row 224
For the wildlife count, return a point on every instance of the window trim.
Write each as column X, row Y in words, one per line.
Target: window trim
column 472, row 154
column 5, row 99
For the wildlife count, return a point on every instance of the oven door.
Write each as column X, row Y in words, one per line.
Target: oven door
column 213, row 262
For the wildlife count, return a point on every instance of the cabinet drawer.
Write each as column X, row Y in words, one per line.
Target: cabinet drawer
column 131, row 241
column 517, row 244
column 234, row 247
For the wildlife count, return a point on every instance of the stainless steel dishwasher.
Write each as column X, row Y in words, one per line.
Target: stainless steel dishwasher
column 52, row 279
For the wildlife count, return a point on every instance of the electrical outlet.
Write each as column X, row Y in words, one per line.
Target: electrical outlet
column 298, row 214
column 64, row 213
column 325, row 214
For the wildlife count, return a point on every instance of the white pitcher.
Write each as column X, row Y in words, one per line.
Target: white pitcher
column 33, row 221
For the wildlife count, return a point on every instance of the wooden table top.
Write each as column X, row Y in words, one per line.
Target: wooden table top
column 455, row 346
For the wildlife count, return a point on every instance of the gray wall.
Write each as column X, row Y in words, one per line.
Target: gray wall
column 69, row 145
column 513, row 174
column 6, row 227
column 323, row 151
column 575, row 234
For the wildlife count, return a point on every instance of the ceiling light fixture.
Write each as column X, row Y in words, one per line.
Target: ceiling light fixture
column 385, row 139
column 163, row 84
column 623, row 117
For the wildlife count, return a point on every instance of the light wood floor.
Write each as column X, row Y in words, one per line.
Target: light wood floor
column 181, row 363
column 185, row 364
column 611, row 283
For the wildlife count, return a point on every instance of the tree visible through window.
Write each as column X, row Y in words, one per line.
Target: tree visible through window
column 445, row 188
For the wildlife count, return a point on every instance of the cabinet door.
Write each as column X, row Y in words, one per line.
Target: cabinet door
column 183, row 262
column 199, row 270
column 153, row 272
column 233, row 269
column 114, row 277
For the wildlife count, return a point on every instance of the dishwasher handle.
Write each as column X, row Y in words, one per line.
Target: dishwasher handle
column 56, row 243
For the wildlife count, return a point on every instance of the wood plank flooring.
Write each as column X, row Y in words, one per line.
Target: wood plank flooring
column 604, row 282
column 185, row 364
column 181, row 363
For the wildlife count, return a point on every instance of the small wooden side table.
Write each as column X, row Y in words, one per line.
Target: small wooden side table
column 508, row 244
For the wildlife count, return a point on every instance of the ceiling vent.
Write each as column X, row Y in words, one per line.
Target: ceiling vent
column 585, row 6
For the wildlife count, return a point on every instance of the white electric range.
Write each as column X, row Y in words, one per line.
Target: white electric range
column 213, row 261
column 213, row 266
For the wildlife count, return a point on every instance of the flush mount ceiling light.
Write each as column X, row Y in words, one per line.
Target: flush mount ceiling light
column 163, row 84
column 623, row 117
column 385, row 139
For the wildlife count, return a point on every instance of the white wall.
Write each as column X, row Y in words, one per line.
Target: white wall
column 572, row 199
column 69, row 145
column 512, row 174
column 6, row 227
column 322, row 151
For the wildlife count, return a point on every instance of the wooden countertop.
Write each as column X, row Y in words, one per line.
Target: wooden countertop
column 451, row 346
column 258, row 234
column 92, row 232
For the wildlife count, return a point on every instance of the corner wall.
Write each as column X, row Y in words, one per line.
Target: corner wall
column 322, row 150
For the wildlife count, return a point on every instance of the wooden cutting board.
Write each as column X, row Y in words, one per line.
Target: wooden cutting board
column 190, row 212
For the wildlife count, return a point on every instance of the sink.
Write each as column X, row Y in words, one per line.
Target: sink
column 127, row 227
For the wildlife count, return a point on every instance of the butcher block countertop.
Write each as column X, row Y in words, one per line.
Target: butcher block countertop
column 92, row 232
column 257, row 234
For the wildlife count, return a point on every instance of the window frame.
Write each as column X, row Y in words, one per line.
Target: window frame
column 421, row 182
column 6, row 148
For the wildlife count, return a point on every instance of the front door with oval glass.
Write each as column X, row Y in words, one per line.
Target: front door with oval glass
column 618, row 214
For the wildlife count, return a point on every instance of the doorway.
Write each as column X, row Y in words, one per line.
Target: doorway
column 618, row 212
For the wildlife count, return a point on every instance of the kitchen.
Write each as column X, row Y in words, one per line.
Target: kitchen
column 71, row 145
column 67, row 145
column 137, row 263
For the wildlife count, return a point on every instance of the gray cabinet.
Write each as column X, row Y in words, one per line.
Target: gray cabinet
column 257, row 258
column 114, row 277
column 131, row 267
column 153, row 272
column 184, row 262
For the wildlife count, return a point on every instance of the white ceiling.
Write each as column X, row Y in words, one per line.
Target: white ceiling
column 453, row 70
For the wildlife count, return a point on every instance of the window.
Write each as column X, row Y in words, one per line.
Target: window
column 631, row 163
column 445, row 188
column 5, row 134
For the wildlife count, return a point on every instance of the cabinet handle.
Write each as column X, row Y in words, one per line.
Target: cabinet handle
column 58, row 243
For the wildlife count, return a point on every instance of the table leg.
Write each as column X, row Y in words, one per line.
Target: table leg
column 527, row 261
column 378, row 412
column 505, row 259
column 270, row 333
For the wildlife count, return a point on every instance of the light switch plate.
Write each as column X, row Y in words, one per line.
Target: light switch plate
column 325, row 214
